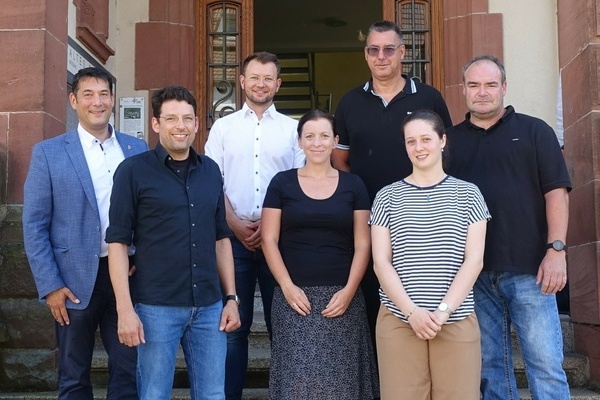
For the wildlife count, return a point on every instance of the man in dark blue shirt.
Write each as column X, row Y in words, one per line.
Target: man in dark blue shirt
column 516, row 162
column 169, row 203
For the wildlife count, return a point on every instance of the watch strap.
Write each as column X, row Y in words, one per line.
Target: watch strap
column 233, row 297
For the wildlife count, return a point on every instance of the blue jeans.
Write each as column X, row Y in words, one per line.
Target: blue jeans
column 249, row 265
column 204, row 348
column 505, row 298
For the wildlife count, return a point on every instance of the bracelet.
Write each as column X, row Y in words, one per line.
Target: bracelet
column 411, row 312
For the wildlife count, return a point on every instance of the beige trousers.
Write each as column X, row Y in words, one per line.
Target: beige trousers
column 445, row 368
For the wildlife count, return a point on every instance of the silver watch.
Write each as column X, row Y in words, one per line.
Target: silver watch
column 443, row 307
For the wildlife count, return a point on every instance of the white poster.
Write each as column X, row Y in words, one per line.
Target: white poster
column 132, row 116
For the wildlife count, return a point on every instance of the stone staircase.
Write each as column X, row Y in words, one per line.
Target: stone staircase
column 575, row 365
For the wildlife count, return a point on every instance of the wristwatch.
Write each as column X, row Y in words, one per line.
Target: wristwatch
column 443, row 307
column 557, row 245
column 233, row 297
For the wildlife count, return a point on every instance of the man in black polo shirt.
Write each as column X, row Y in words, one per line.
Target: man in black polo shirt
column 516, row 162
column 169, row 201
column 369, row 119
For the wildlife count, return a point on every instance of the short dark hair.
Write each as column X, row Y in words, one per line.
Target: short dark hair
column 386, row 26
column 485, row 58
column 262, row 57
column 314, row 115
column 178, row 93
column 91, row 72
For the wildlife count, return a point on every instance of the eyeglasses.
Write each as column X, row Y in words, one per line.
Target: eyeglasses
column 174, row 119
column 267, row 80
column 388, row 51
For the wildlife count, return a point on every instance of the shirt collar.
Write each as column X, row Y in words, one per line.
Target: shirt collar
column 163, row 155
column 269, row 112
column 88, row 140
column 509, row 111
column 409, row 88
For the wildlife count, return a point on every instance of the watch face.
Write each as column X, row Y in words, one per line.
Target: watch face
column 443, row 306
column 558, row 245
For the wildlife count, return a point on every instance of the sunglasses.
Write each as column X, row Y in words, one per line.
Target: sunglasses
column 389, row 51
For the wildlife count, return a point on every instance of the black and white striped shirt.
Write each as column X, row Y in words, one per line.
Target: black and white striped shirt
column 428, row 229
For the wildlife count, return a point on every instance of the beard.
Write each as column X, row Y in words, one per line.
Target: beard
column 257, row 100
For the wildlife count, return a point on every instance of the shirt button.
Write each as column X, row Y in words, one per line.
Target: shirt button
column 193, row 244
column 193, row 224
column 194, row 285
column 194, row 265
column 192, row 205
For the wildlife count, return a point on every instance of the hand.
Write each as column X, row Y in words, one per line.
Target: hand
column 56, row 302
column 424, row 323
column 441, row 316
column 254, row 241
column 552, row 273
column 230, row 317
column 297, row 299
column 244, row 230
column 338, row 304
column 130, row 328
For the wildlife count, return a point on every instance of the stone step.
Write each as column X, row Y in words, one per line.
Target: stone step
column 259, row 336
column 575, row 366
column 567, row 334
column 576, row 394
column 259, row 361
column 255, row 394
column 100, row 394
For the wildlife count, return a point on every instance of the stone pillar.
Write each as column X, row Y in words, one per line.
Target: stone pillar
column 33, row 101
column 579, row 60
column 469, row 30
column 165, row 50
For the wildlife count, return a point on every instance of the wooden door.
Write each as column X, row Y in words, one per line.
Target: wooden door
column 421, row 22
column 225, row 36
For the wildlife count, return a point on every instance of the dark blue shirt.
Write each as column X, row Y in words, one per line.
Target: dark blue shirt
column 514, row 163
column 372, row 131
column 173, row 223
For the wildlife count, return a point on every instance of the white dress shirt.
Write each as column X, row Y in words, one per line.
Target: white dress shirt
column 102, row 160
column 250, row 152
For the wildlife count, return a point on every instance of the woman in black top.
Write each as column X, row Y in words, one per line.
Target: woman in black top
column 315, row 238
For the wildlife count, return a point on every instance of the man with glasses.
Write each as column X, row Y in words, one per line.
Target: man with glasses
column 368, row 120
column 251, row 146
column 169, row 202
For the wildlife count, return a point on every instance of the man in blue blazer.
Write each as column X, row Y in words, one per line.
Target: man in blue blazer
column 65, row 215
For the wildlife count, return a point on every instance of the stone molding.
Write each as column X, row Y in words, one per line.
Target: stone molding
column 92, row 27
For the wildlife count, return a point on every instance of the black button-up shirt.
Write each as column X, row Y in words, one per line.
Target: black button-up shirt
column 173, row 223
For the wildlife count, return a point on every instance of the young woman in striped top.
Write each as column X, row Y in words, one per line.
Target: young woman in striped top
column 428, row 235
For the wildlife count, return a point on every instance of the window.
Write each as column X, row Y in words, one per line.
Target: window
column 421, row 22
column 415, row 23
column 223, row 59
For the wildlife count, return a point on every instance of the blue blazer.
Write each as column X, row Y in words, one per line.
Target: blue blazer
column 61, row 223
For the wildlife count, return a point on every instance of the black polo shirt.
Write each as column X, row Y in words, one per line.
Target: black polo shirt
column 372, row 130
column 514, row 163
column 174, row 223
